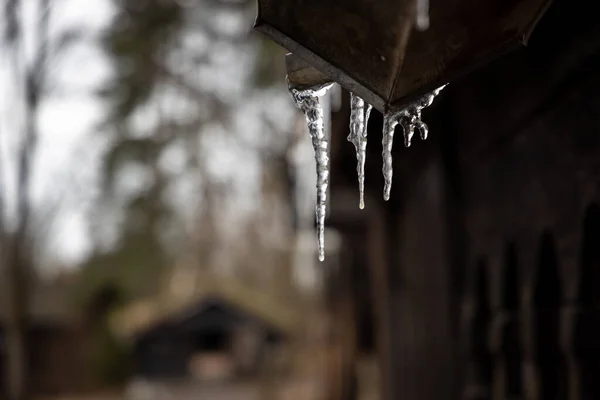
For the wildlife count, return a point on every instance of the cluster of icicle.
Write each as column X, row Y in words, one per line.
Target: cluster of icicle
column 410, row 120
column 408, row 117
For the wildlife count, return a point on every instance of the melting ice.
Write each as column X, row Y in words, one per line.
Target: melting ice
column 410, row 119
column 422, row 15
column 308, row 101
column 359, row 119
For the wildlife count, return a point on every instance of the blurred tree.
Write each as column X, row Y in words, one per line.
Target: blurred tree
column 189, row 81
column 20, row 229
column 16, row 250
column 16, row 246
column 110, row 359
column 137, row 41
column 270, row 70
column 169, row 60
column 140, row 33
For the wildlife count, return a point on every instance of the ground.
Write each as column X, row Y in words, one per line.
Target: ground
column 195, row 391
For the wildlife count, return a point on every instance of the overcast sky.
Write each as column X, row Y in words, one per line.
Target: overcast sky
column 68, row 147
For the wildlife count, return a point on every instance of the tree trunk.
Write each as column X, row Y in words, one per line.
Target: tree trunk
column 16, row 288
column 17, row 252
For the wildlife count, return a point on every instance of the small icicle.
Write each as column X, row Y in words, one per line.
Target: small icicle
column 308, row 101
column 410, row 119
column 359, row 119
column 411, row 116
column 422, row 15
column 390, row 120
column 408, row 126
column 422, row 128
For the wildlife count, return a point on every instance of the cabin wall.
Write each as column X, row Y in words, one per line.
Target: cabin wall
column 527, row 325
column 162, row 354
column 532, row 210
column 491, row 284
column 422, row 342
column 215, row 341
column 57, row 361
column 532, row 194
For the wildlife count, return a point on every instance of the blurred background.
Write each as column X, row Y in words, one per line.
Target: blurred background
column 157, row 206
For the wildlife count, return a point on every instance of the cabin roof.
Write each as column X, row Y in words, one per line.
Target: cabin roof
column 143, row 315
column 212, row 313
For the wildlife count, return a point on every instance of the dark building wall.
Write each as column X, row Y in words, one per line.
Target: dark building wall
column 529, row 163
column 163, row 353
column 422, row 342
column 212, row 326
column 530, row 169
column 57, row 361
column 532, row 194
column 493, row 231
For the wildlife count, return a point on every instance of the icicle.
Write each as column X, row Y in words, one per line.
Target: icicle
column 422, row 15
column 308, row 101
column 359, row 119
column 390, row 120
column 410, row 119
column 408, row 127
column 412, row 116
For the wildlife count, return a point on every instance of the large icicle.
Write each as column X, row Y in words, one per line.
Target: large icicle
column 359, row 119
column 308, row 101
column 410, row 119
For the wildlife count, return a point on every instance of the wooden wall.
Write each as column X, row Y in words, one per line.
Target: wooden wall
column 490, row 280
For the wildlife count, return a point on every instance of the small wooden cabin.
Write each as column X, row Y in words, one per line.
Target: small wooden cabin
column 212, row 339
column 218, row 330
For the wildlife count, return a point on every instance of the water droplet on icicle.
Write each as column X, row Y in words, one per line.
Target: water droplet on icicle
column 308, row 101
column 410, row 120
column 359, row 119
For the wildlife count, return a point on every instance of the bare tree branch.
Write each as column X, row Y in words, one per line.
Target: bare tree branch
column 12, row 23
column 18, row 256
column 191, row 90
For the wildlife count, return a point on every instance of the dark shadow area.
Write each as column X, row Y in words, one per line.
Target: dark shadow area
column 586, row 340
column 589, row 295
column 211, row 341
column 363, row 299
column 547, row 292
column 547, row 297
column 510, row 281
column 104, row 300
column 480, row 330
column 511, row 331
